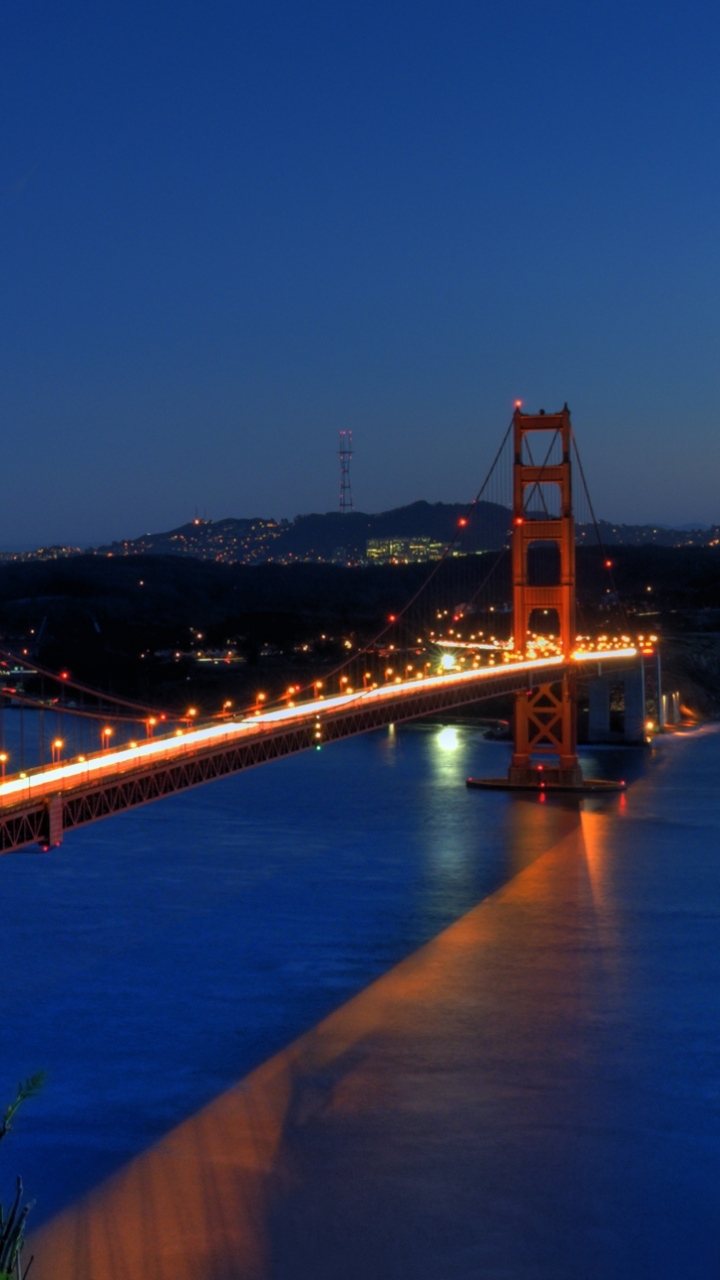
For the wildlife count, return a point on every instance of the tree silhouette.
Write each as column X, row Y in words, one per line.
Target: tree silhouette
column 12, row 1223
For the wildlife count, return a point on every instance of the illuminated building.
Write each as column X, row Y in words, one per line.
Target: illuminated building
column 403, row 550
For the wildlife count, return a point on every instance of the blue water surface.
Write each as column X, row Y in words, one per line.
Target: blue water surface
column 156, row 957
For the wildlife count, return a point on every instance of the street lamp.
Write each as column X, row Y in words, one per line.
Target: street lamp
column 3, row 761
column 57, row 747
column 105, row 736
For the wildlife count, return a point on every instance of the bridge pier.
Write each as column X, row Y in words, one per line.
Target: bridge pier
column 599, row 710
column 671, row 709
column 635, row 704
column 632, row 679
column 53, row 824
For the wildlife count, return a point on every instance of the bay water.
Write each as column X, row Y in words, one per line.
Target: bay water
column 156, row 957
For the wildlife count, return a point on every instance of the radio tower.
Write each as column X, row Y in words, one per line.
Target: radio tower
column 346, row 453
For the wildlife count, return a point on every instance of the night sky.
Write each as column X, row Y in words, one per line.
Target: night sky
column 228, row 230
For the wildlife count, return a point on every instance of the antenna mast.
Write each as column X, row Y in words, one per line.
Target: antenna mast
column 346, row 453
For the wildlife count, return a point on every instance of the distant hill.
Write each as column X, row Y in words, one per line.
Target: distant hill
column 647, row 535
column 321, row 538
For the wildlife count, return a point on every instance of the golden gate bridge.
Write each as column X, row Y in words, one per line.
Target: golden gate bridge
column 431, row 657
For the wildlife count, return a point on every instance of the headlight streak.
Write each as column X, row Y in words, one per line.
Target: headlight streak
column 124, row 759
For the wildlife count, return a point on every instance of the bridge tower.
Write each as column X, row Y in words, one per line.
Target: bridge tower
column 543, row 533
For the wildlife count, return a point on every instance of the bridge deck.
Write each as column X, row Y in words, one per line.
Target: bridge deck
column 38, row 806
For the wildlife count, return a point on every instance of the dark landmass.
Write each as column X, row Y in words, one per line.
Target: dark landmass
column 319, row 538
column 160, row 628
column 334, row 538
column 647, row 535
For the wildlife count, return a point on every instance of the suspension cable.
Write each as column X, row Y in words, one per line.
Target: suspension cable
column 70, row 683
column 372, row 644
column 606, row 559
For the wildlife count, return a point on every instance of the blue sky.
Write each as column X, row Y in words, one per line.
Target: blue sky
column 230, row 230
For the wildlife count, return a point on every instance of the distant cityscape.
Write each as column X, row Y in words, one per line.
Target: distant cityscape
column 413, row 534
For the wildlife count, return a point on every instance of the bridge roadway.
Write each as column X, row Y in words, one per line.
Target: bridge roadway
column 38, row 806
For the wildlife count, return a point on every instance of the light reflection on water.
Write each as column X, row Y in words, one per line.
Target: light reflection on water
column 557, row 1050
column 447, row 739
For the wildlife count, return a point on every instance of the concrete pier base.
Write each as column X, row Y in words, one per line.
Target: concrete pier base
column 547, row 783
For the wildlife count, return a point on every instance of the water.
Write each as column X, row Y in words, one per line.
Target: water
column 155, row 958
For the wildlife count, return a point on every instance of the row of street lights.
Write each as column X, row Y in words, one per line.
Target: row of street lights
column 56, row 747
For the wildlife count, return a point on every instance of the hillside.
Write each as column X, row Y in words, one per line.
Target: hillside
column 166, row 628
column 317, row 537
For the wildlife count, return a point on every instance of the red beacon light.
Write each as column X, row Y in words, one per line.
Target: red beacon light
column 392, row 617
column 462, row 522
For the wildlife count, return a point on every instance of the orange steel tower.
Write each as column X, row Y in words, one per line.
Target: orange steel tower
column 545, row 717
column 543, row 564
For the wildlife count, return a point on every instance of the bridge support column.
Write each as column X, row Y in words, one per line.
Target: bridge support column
column 547, row 715
column 671, row 709
column 53, row 823
column 599, row 710
column 635, row 730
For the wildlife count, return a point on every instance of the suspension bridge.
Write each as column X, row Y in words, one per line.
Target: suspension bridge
column 432, row 656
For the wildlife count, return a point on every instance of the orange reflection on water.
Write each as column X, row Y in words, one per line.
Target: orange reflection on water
column 470, row 1039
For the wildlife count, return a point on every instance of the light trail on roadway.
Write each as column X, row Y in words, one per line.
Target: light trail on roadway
column 95, row 768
